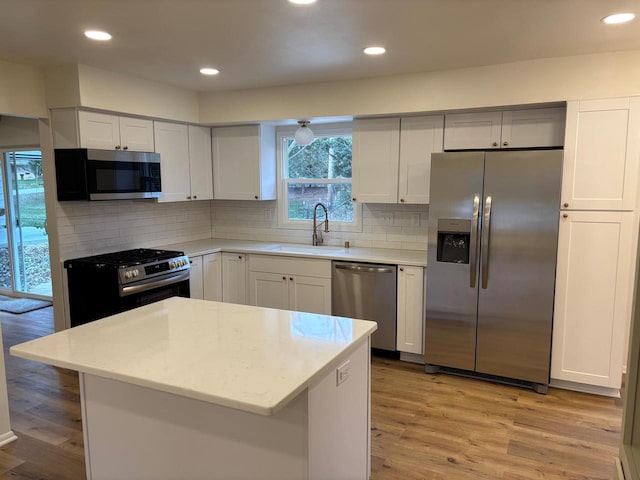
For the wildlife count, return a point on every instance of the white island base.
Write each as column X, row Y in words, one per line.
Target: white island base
column 189, row 389
column 136, row 432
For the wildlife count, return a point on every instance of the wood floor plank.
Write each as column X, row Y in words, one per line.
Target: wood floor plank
column 432, row 427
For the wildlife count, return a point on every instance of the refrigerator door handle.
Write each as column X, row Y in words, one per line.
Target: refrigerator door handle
column 473, row 261
column 486, row 227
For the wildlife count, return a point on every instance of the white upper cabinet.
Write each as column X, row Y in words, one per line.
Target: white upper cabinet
column 538, row 127
column 172, row 143
column 185, row 158
column 200, row 163
column 99, row 130
column 419, row 138
column 244, row 162
column 376, row 150
column 601, row 154
column 464, row 131
column 78, row 128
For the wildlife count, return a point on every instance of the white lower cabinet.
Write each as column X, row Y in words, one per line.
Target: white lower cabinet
column 212, row 277
column 196, row 286
column 234, row 278
column 411, row 313
column 290, row 283
column 593, row 299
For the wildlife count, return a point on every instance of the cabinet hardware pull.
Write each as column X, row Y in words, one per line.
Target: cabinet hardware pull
column 565, row 215
column 125, row 148
column 255, row 196
column 505, row 143
column 117, row 147
column 565, row 205
column 195, row 196
column 401, row 269
column 239, row 257
column 402, row 200
column 284, row 278
column 495, row 144
column 291, row 278
column 189, row 198
column 353, row 199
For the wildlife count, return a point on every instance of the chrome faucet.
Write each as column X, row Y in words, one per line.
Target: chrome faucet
column 317, row 235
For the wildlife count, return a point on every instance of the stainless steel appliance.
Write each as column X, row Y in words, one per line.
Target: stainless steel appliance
column 493, row 228
column 368, row 292
column 107, row 284
column 90, row 174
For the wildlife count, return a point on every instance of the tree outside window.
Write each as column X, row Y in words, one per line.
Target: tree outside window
column 318, row 172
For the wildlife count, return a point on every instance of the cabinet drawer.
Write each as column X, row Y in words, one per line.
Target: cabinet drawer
column 310, row 267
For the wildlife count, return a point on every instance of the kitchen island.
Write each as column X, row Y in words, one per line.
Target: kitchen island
column 194, row 389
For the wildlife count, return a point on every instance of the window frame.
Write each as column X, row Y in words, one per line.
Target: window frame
column 320, row 130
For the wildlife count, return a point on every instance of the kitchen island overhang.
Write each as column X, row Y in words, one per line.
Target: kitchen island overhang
column 188, row 388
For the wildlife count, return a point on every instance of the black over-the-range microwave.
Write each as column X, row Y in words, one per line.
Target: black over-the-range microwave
column 92, row 174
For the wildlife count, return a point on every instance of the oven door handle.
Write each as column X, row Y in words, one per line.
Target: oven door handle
column 153, row 283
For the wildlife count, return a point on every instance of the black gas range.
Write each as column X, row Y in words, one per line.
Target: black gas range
column 102, row 285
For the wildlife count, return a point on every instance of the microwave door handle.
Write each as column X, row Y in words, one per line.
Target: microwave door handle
column 473, row 260
column 486, row 230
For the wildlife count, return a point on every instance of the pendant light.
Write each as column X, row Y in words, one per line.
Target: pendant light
column 304, row 135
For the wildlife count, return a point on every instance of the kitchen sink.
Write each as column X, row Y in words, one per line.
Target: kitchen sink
column 305, row 249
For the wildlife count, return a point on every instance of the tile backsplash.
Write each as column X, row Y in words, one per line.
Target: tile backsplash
column 383, row 225
column 90, row 228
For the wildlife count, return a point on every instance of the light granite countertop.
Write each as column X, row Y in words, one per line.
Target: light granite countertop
column 248, row 358
column 416, row 258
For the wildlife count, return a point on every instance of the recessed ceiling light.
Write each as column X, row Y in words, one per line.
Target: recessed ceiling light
column 302, row 2
column 209, row 71
column 97, row 35
column 374, row 50
column 618, row 18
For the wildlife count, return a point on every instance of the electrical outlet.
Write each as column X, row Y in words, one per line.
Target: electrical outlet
column 343, row 372
column 415, row 219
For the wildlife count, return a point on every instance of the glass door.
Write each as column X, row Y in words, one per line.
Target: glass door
column 24, row 244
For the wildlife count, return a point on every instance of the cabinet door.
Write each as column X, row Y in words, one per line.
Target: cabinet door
column 200, row 166
column 410, row 336
column 467, row 131
column 592, row 302
column 376, row 149
column 195, row 277
column 539, row 127
column 98, row 130
column 269, row 290
column 310, row 294
column 236, row 162
column 136, row 134
column 601, row 155
column 172, row 143
column 212, row 277
column 234, row 278
column 419, row 138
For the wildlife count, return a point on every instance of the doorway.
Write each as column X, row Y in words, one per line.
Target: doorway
column 24, row 244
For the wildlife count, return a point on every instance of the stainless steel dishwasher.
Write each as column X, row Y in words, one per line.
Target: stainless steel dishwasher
column 367, row 291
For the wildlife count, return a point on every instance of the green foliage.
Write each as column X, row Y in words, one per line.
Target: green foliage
column 325, row 157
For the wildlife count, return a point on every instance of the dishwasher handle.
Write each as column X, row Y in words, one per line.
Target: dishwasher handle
column 361, row 268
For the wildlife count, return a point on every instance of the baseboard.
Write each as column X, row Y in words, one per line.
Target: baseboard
column 412, row 357
column 584, row 388
column 7, row 437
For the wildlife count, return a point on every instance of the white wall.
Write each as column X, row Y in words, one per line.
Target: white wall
column 384, row 226
column 18, row 132
column 536, row 81
column 22, row 91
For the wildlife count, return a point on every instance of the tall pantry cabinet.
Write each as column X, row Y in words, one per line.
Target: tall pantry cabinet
column 596, row 244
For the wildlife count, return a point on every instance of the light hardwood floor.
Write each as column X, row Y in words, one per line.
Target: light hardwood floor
column 423, row 426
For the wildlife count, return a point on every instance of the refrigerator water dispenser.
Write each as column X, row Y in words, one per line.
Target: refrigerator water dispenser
column 454, row 236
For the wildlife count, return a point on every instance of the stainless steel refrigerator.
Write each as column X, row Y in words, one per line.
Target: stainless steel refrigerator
column 493, row 234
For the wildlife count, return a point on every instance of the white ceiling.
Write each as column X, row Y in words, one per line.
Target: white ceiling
column 257, row 43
